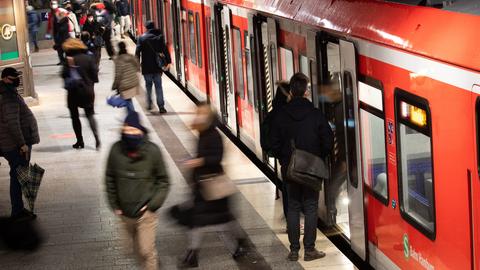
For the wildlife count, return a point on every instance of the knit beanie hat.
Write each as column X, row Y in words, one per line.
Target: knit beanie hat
column 133, row 120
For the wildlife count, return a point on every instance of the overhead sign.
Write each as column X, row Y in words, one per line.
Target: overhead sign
column 7, row 31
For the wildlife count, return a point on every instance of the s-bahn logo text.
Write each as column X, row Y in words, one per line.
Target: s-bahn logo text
column 410, row 252
column 7, row 31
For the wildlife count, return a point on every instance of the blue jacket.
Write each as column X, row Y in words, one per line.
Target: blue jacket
column 122, row 8
column 34, row 21
column 148, row 47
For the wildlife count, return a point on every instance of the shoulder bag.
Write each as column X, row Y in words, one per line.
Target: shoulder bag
column 216, row 187
column 306, row 169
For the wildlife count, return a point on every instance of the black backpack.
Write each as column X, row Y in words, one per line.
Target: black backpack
column 265, row 130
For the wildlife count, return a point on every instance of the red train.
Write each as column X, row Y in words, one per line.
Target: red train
column 399, row 84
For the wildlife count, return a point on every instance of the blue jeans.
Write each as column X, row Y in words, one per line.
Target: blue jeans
column 150, row 79
column 33, row 38
column 129, row 106
column 16, row 159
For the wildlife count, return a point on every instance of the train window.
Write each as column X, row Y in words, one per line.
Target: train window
column 372, row 126
column 414, row 144
column 191, row 35
column 248, row 63
column 286, row 64
column 199, row 42
column 304, row 65
column 209, row 45
column 238, row 63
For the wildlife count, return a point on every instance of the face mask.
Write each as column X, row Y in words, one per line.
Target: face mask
column 14, row 83
column 132, row 142
column 90, row 19
column 54, row 6
column 69, row 8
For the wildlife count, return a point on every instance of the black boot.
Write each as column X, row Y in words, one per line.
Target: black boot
column 79, row 145
column 241, row 249
column 98, row 144
column 190, row 260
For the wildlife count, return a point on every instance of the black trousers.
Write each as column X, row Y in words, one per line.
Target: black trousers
column 77, row 124
column 107, row 37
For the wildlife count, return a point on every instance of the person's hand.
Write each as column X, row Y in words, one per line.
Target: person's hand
column 194, row 163
column 118, row 212
column 23, row 149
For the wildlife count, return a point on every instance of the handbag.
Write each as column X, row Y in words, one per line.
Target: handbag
column 216, row 187
column 116, row 101
column 306, row 169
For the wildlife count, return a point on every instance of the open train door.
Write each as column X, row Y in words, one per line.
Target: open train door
column 348, row 72
column 177, row 41
column 474, row 186
column 229, row 96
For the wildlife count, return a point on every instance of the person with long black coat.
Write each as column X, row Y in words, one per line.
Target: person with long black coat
column 208, row 213
column 81, row 96
column 61, row 27
column 94, row 29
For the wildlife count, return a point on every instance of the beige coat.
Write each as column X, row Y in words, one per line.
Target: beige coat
column 126, row 69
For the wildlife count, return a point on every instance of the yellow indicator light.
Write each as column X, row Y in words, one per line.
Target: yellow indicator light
column 418, row 116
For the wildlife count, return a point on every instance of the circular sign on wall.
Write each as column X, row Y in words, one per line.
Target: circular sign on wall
column 7, row 31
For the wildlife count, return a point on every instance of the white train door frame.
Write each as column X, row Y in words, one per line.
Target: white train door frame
column 348, row 68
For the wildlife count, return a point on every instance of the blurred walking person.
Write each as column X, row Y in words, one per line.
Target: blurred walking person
column 34, row 22
column 210, row 211
column 74, row 29
column 105, row 19
column 123, row 11
column 80, row 74
column 18, row 132
column 137, row 185
column 149, row 48
column 58, row 27
column 94, row 29
column 126, row 78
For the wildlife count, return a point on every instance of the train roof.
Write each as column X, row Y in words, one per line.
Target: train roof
column 448, row 36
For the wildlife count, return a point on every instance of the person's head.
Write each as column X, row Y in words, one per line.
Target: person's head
column 122, row 48
column 205, row 117
column 133, row 132
column 67, row 5
column 282, row 96
column 30, row 8
column 150, row 25
column 298, row 85
column 90, row 17
column 85, row 36
column 11, row 76
column 54, row 4
column 74, row 46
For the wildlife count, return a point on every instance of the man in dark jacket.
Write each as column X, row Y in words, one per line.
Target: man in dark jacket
column 300, row 122
column 149, row 45
column 123, row 11
column 18, row 132
column 137, row 185
column 93, row 28
column 34, row 22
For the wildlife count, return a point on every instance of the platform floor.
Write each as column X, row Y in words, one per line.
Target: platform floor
column 80, row 230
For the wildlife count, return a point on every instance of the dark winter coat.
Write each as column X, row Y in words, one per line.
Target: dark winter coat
column 61, row 32
column 210, row 148
column 34, row 21
column 123, row 9
column 18, row 125
column 148, row 47
column 301, row 121
column 135, row 182
column 87, row 69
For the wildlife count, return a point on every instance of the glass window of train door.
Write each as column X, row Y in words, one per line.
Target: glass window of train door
column 415, row 162
column 304, row 64
column 286, row 64
column 209, row 44
column 373, row 140
column 199, row 40
column 191, row 38
column 238, row 63
column 248, row 64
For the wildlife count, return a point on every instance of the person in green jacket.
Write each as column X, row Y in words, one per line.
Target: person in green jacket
column 137, row 185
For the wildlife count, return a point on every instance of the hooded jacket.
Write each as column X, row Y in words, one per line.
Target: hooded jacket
column 18, row 125
column 135, row 182
column 299, row 121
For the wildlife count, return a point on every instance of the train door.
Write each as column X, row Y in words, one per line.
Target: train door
column 474, row 182
column 342, row 204
column 230, row 112
column 176, row 17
